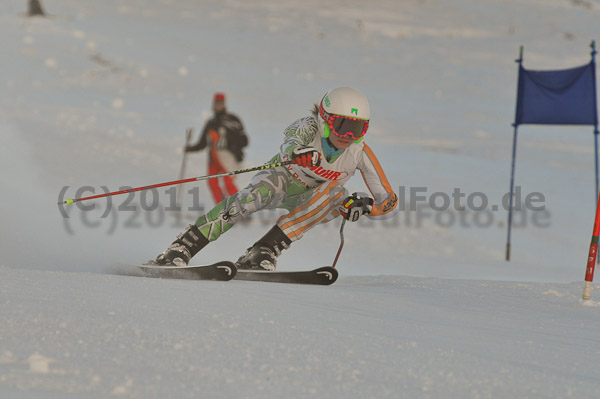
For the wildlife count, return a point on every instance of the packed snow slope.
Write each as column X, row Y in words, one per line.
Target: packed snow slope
column 88, row 335
column 98, row 95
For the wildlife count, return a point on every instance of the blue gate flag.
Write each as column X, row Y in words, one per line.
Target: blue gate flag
column 555, row 97
column 558, row 97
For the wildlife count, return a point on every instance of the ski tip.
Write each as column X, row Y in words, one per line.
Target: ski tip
column 227, row 268
column 329, row 273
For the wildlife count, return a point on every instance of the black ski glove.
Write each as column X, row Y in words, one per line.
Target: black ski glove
column 354, row 206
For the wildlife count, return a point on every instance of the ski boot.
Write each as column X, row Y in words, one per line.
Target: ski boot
column 263, row 254
column 187, row 244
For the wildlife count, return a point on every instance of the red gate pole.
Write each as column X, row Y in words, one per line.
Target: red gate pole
column 591, row 262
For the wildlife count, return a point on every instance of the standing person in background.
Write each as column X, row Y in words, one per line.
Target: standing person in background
column 225, row 138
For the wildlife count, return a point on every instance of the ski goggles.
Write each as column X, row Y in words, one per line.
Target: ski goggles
column 345, row 126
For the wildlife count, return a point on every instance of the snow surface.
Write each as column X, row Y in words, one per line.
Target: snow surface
column 100, row 94
column 364, row 337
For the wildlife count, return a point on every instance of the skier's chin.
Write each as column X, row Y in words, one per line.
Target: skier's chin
column 340, row 143
column 343, row 144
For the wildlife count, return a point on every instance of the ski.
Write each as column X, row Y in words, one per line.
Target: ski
column 221, row 271
column 225, row 271
column 321, row 276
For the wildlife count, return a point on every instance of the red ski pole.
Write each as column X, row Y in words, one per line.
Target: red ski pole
column 589, row 273
column 69, row 201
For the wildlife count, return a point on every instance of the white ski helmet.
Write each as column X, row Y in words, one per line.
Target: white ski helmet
column 345, row 112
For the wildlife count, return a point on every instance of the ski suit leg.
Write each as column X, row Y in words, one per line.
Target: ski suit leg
column 267, row 189
column 321, row 207
column 228, row 163
column 213, row 184
column 230, row 185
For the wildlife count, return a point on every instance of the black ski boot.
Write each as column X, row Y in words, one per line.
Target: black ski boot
column 183, row 248
column 263, row 254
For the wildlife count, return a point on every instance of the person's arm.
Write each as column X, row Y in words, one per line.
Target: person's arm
column 298, row 134
column 385, row 200
column 202, row 142
column 241, row 138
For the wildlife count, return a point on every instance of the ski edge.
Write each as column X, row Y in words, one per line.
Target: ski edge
column 325, row 275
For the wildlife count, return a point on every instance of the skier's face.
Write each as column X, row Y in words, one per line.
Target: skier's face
column 341, row 143
column 218, row 106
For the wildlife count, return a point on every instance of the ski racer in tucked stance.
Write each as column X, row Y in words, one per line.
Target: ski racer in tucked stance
column 326, row 150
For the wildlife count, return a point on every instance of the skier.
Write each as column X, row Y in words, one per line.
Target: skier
column 326, row 149
column 224, row 135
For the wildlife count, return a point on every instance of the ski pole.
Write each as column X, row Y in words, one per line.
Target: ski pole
column 188, row 136
column 341, row 243
column 69, row 201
